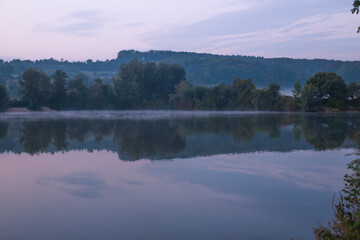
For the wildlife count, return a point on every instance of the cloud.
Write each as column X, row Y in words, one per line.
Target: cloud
column 140, row 15
column 304, row 35
column 77, row 23
column 85, row 15
column 318, row 31
column 132, row 24
column 251, row 27
column 79, row 29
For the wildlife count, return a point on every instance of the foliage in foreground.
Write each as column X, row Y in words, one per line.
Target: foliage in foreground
column 355, row 9
column 346, row 222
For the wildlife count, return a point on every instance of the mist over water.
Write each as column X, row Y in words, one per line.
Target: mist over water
column 120, row 114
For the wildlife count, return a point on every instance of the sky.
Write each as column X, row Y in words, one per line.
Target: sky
column 87, row 29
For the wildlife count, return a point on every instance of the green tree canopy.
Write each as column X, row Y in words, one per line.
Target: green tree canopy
column 296, row 93
column 353, row 94
column 101, row 95
column 77, row 94
column 243, row 90
column 266, row 98
column 139, row 83
column 324, row 89
column 36, row 88
column 58, row 98
column 309, row 98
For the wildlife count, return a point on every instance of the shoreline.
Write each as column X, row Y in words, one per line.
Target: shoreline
column 47, row 109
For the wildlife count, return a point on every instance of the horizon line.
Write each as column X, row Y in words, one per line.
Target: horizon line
column 9, row 58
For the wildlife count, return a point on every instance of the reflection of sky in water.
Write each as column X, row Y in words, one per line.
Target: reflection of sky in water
column 81, row 184
column 82, row 195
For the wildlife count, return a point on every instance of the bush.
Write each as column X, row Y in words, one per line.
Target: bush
column 346, row 222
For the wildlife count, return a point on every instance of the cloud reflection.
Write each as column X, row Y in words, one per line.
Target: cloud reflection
column 81, row 184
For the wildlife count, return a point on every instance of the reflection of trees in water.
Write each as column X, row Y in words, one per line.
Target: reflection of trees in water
column 77, row 129
column 242, row 128
column 146, row 138
column 36, row 136
column 59, row 135
column 100, row 129
column 80, row 129
column 138, row 139
column 4, row 126
column 353, row 130
column 141, row 139
column 326, row 132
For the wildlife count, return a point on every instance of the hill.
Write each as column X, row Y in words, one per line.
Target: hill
column 201, row 69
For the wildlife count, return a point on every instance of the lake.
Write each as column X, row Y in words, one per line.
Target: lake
column 171, row 175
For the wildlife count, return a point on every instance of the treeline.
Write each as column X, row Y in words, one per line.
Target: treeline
column 323, row 91
column 202, row 69
column 137, row 86
column 148, row 85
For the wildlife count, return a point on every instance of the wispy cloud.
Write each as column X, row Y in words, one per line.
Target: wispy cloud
column 77, row 23
column 268, row 28
column 321, row 27
column 311, row 36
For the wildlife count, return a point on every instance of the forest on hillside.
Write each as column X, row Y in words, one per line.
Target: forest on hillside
column 149, row 85
column 201, row 69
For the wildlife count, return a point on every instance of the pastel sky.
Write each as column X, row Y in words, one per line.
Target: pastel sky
column 84, row 29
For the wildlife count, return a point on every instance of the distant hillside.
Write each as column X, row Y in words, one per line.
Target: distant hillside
column 209, row 69
column 201, row 69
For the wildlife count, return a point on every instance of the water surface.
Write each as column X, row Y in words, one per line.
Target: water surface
column 170, row 175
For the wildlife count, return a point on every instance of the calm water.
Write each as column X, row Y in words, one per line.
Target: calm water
column 170, row 175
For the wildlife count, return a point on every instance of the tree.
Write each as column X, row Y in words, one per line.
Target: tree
column 58, row 97
column 273, row 94
column 36, row 88
column 221, row 96
column 4, row 98
column 184, row 96
column 285, row 103
column 77, row 94
column 266, row 98
column 327, row 89
column 167, row 77
column 335, row 91
column 296, row 92
column 353, row 94
column 101, row 95
column 243, row 93
column 148, row 80
column 137, row 84
column 310, row 100
column 127, row 85
column 355, row 9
